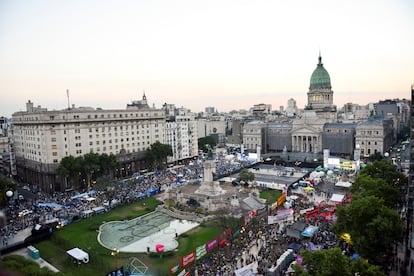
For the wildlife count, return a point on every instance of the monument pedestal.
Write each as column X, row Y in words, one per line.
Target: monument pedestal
column 208, row 186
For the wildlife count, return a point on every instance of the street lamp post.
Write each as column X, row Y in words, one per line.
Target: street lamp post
column 3, row 218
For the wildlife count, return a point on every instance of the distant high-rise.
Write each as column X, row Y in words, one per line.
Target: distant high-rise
column 210, row 109
column 291, row 109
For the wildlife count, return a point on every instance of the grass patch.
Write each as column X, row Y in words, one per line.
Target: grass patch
column 83, row 234
column 270, row 195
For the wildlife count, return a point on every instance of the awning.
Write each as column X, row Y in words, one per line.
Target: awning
column 79, row 255
column 309, row 231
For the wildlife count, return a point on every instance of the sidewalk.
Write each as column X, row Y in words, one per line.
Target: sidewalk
column 23, row 252
column 19, row 237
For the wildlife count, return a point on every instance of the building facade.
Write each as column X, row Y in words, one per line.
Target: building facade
column 181, row 134
column 339, row 138
column 318, row 127
column 278, row 137
column 375, row 135
column 308, row 126
column 253, row 135
column 42, row 138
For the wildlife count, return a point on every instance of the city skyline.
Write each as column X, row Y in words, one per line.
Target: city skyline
column 226, row 54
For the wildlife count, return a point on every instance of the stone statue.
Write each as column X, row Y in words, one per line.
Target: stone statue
column 209, row 152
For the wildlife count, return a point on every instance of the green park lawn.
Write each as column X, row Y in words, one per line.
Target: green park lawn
column 270, row 195
column 83, row 234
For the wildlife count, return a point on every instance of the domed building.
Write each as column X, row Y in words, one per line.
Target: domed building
column 307, row 128
column 320, row 95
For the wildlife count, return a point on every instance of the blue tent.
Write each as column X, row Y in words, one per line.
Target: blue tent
column 49, row 204
column 354, row 256
column 152, row 191
column 79, row 196
column 309, row 231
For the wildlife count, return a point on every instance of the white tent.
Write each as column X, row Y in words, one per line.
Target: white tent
column 337, row 198
column 343, row 184
column 79, row 255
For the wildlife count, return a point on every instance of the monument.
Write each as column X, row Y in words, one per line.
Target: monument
column 208, row 186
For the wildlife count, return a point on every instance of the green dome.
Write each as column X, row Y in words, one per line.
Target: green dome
column 320, row 77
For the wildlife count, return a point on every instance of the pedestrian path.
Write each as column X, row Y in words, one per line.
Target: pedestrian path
column 24, row 252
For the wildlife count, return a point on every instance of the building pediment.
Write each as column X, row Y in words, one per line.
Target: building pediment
column 305, row 130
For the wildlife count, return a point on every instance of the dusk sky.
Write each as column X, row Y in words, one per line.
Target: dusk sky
column 226, row 54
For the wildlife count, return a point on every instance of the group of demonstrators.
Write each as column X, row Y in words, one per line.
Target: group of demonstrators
column 65, row 207
column 267, row 247
column 267, row 244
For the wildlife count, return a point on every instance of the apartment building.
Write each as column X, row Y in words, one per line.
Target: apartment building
column 181, row 133
column 43, row 137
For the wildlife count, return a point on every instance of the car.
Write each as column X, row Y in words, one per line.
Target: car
column 304, row 184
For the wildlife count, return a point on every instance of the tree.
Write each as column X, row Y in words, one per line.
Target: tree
column 375, row 157
column 19, row 265
column 365, row 185
column 66, row 167
column 157, row 154
column 91, row 167
column 107, row 164
column 246, row 175
column 204, row 141
column 373, row 227
column 324, row 262
column 387, row 171
column 333, row 262
column 87, row 167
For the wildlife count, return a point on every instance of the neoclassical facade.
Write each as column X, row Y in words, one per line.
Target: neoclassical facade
column 307, row 128
column 317, row 127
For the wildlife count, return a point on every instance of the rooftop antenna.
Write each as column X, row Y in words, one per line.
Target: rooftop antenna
column 67, row 94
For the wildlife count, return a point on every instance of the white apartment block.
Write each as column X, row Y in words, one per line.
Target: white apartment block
column 42, row 137
column 181, row 134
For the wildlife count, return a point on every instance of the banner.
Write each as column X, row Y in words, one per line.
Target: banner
column 248, row 270
column 281, row 199
column 182, row 273
column 212, row 244
column 281, row 215
column 284, row 214
column 226, row 235
column 187, row 259
column 201, row 251
column 271, row 219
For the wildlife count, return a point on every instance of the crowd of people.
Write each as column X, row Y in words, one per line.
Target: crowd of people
column 258, row 245
column 68, row 206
